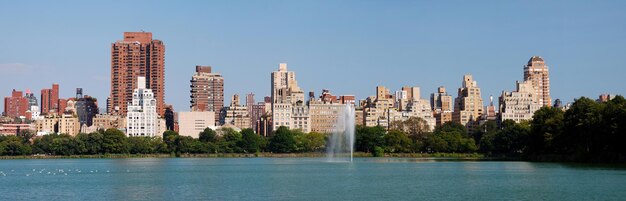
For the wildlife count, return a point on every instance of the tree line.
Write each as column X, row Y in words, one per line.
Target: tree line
column 587, row 131
column 113, row 141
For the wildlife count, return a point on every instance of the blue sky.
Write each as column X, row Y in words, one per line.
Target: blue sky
column 348, row 47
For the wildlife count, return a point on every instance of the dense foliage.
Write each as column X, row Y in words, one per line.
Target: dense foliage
column 588, row 131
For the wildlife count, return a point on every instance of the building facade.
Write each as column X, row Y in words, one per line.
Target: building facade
column 536, row 72
column 207, row 91
column 107, row 121
column 61, row 124
column 442, row 105
column 16, row 105
column 86, row 108
column 468, row 105
column 192, row 123
column 137, row 55
column 519, row 105
column 235, row 114
column 142, row 117
column 50, row 100
column 288, row 106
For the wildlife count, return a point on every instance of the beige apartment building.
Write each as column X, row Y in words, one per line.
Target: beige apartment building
column 61, row 124
column 468, row 105
column 384, row 109
column 519, row 105
column 442, row 105
column 324, row 115
column 288, row 106
column 235, row 114
column 536, row 71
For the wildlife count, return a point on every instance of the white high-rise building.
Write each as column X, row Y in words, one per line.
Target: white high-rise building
column 141, row 118
column 288, row 106
column 519, row 105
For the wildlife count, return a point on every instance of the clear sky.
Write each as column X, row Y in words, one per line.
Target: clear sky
column 348, row 47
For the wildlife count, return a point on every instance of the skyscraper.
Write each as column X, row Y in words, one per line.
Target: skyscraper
column 468, row 105
column 288, row 108
column 141, row 118
column 136, row 55
column 442, row 105
column 536, row 71
column 207, row 91
column 50, row 100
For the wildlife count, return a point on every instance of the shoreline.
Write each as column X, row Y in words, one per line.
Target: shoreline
column 473, row 156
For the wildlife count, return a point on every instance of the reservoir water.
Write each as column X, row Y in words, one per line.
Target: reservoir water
column 305, row 179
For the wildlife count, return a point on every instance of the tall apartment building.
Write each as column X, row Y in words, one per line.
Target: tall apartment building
column 142, row 117
column 468, row 105
column 261, row 116
column 207, row 91
column 134, row 56
column 16, row 105
column 50, row 100
column 520, row 104
column 86, row 108
column 235, row 114
column 249, row 105
column 288, row 107
column 442, row 105
column 536, row 71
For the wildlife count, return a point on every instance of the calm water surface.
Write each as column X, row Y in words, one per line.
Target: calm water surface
column 305, row 179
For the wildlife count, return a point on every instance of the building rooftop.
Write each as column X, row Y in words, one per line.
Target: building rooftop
column 535, row 59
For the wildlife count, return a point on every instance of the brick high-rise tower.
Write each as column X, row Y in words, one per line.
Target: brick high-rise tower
column 207, row 91
column 137, row 55
column 50, row 100
column 536, row 71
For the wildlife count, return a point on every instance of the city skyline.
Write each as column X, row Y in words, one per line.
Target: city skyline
column 388, row 55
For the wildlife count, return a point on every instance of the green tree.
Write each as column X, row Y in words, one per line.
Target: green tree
column 169, row 137
column 42, row 145
column 63, row 145
column 115, row 142
column 251, row 142
column 547, row 124
column 208, row 135
column 141, row 145
column 450, row 137
column 14, row 145
column 397, row 142
column 511, row 139
column 313, row 142
column 93, row 143
column 185, row 144
column 230, row 142
column 369, row 137
column 416, row 128
column 283, row 141
column 582, row 128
